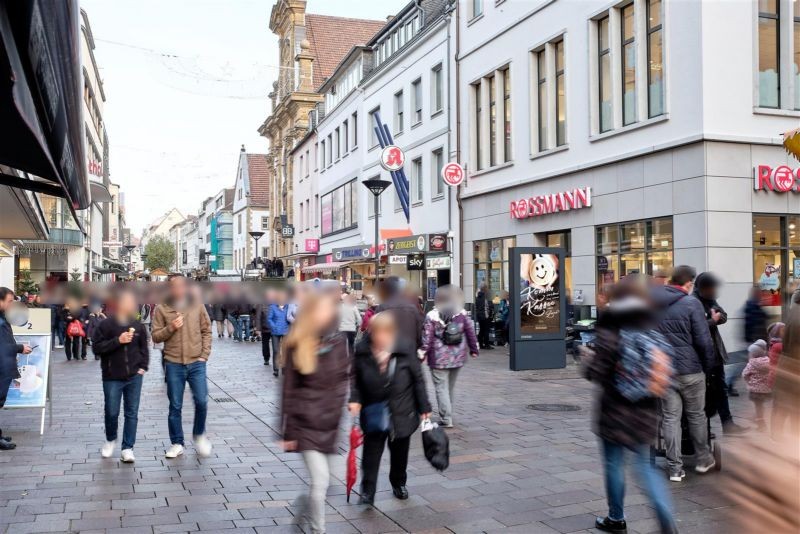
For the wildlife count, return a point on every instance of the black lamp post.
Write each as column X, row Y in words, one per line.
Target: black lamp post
column 256, row 235
column 130, row 248
column 377, row 186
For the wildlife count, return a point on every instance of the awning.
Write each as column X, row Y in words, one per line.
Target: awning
column 41, row 98
column 791, row 142
column 393, row 233
column 325, row 267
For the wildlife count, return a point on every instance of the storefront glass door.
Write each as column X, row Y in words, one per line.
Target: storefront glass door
column 776, row 260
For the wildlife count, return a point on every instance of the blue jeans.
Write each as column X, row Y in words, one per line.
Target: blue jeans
column 653, row 483
column 237, row 327
column 244, row 326
column 177, row 377
column 115, row 391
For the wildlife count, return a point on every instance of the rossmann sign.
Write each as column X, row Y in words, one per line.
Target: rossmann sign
column 781, row 178
column 552, row 203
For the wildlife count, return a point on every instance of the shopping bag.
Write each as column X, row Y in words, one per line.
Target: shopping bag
column 436, row 445
column 75, row 329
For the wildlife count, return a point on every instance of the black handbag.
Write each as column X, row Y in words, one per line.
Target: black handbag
column 436, row 445
column 376, row 418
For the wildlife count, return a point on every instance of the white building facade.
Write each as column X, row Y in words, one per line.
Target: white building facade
column 250, row 212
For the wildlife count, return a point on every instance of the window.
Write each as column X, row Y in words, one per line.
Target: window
column 322, row 154
column 477, row 8
column 300, row 167
column 769, row 53
column 301, row 217
column 437, row 162
column 329, row 155
column 373, row 139
column 507, row 115
column 308, row 163
column 316, row 211
column 628, row 67
column 655, row 54
column 437, row 97
column 239, row 194
column 416, row 180
column 604, row 74
column 561, row 96
column 308, row 214
column 354, row 122
column 337, row 145
column 416, row 100
column 491, row 95
column 563, row 240
column 339, row 208
column 491, row 264
column 265, row 223
column 316, row 156
column 775, row 251
column 478, row 140
column 541, row 63
column 346, row 136
column 492, row 121
column 633, row 247
column 239, row 224
column 398, row 112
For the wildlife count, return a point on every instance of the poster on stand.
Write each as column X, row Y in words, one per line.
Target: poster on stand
column 538, row 293
column 30, row 389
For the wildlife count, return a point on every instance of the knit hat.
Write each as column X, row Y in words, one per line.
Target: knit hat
column 757, row 349
column 774, row 329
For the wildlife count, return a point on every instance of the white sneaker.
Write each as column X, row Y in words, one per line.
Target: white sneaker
column 202, row 446
column 107, row 449
column 127, row 456
column 175, row 450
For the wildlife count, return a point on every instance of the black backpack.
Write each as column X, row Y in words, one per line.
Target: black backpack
column 453, row 333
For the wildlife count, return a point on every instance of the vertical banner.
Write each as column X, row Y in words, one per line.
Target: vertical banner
column 538, row 308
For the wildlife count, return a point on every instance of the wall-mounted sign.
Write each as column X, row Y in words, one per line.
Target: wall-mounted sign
column 112, row 244
column 602, row 264
column 416, row 262
column 392, row 158
column 352, row 253
column 287, row 230
column 780, row 179
column 437, row 242
column 311, row 245
column 453, row 174
column 552, row 203
column 413, row 243
column 397, row 260
column 95, row 168
column 438, row 262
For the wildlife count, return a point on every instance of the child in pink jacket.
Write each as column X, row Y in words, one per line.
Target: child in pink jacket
column 757, row 375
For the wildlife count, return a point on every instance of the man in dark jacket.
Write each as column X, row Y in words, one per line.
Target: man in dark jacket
column 483, row 314
column 263, row 329
column 121, row 342
column 9, row 348
column 407, row 316
column 683, row 323
column 705, row 290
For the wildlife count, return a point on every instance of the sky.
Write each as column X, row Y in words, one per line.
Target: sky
column 186, row 84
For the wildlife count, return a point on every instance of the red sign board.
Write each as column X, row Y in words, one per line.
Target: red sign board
column 453, row 174
column 552, row 203
column 312, row 245
column 781, row 179
column 392, row 158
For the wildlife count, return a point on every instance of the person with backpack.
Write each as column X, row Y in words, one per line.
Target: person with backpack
column 631, row 364
column 448, row 337
column 76, row 333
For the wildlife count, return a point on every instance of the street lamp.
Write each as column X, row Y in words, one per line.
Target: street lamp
column 377, row 186
column 256, row 235
column 130, row 249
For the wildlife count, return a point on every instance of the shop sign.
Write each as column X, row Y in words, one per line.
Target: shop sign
column 312, row 245
column 602, row 263
column 780, row 179
column 414, row 243
column 438, row 262
column 112, row 244
column 416, row 262
column 437, row 242
column 287, row 230
column 352, row 253
column 397, row 260
column 453, row 174
column 553, row 203
column 392, row 158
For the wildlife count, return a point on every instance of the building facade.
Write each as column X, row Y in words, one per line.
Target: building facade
column 607, row 135
column 250, row 209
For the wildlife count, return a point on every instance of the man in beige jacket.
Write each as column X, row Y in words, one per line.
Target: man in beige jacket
column 183, row 325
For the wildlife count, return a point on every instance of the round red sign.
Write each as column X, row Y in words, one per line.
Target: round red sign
column 392, row 158
column 453, row 174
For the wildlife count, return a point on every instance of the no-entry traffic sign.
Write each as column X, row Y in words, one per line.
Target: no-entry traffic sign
column 453, row 174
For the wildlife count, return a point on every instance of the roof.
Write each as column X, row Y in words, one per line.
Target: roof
column 332, row 38
column 259, row 173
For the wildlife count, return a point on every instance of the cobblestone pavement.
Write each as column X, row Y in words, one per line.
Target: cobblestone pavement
column 512, row 469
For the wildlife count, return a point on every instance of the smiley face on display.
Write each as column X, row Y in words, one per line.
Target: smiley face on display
column 544, row 270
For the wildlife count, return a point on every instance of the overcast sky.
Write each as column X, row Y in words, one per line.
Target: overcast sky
column 186, row 84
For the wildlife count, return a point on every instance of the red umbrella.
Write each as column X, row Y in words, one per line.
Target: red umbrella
column 356, row 439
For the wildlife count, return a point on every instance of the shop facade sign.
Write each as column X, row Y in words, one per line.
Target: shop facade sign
column 112, row 244
column 407, row 245
column 311, row 245
column 352, row 253
column 539, row 205
column 416, row 262
column 438, row 262
column 437, row 242
column 780, row 179
column 392, row 158
column 397, row 260
column 287, row 230
column 453, row 174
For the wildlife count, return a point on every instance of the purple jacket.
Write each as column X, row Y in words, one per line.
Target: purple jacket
column 439, row 355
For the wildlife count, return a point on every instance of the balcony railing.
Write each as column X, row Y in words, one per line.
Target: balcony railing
column 66, row 236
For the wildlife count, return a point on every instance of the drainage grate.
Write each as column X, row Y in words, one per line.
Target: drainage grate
column 224, row 399
column 554, row 407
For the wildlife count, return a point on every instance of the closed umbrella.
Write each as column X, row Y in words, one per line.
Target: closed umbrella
column 356, row 439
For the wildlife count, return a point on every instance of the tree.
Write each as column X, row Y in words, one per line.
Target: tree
column 25, row 284
column 160, row 254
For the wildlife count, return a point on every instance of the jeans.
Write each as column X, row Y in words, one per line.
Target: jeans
column 276, row 352
column 237, row 328
column 61, row 332
column 115, row 391
column 652, row 483
column 689, row 397
column 371, row 461
column 319, row 466
column 732, row 372
column 444, row 381
column 266, row 340
column 720, row 394
column 244, row 326
column 177, row 377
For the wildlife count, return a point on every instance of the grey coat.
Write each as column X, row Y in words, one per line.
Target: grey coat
column 683, row 322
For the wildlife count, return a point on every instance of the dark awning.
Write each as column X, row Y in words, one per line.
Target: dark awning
column 41, row 97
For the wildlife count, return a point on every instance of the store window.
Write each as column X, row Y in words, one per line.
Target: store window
column 491, row 259
column 563, row 240
column 776, row 260
column 340, row 209
column 633, row 247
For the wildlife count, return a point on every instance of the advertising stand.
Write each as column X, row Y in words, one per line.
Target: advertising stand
column 32, row 388
column 538, row 309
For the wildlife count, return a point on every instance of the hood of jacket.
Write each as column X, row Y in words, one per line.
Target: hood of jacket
column 434, row 315
column 666, row 296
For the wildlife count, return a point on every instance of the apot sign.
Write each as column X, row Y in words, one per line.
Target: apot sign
column 781, row 178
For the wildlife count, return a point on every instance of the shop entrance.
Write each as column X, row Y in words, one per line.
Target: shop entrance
column 776, row 260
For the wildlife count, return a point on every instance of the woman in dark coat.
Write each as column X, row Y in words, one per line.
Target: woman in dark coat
column 386, row 373
column 620, row 423
column 315, row 389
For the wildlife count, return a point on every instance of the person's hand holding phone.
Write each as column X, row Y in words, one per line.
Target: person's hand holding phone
column 126, row 337
column 26, row 349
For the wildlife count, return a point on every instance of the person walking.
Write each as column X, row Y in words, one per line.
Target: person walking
column 407, row 316
column 75, row 343
column 121, row 344
column 278, row 327
column 96, row 316
column 447, row 340
column 706, row 289
column 262, row 327
column 623, row 425
column 315, row 386
column 483, row 314
column 182, row 325
column 755, row 318
column 683, row 324
column 388, row 392
column 372, row 307
column 9, row 348
column 218, row 316
column 349, row 320
column 501, row 320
